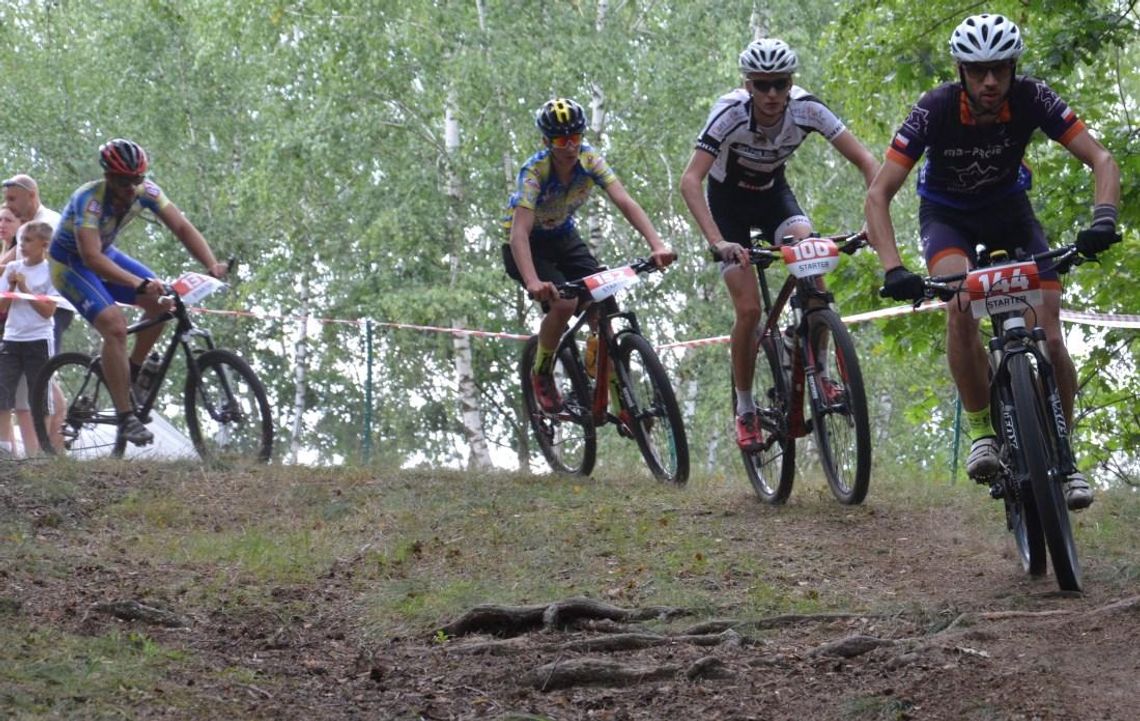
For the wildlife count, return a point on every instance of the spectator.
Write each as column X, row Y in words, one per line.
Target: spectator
column 22, row 195
column 28, row 333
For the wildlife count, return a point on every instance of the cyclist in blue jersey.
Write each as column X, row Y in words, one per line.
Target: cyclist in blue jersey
column 94, row 275
column 973, row 190
column 545, row 247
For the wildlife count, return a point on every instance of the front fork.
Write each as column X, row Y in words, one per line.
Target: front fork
column 1016, row 340
column 804, row 368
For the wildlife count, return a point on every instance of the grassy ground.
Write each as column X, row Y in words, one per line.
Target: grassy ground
column 367, row 557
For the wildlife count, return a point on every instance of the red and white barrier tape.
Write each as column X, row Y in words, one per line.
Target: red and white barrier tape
column 1106, row 320
column 59, row 300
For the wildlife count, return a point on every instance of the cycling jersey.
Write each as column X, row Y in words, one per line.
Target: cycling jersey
column 553, row 203
column 87, row 209
column 747, row 157
column 970, row 165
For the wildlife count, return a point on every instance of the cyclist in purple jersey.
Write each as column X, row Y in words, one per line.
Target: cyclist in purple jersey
column 749, row 136
column 545, row 247
column 973, row 190
column 94, row 275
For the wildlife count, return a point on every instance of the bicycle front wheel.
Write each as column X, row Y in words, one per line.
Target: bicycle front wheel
column 657, row 423
column 1020, row 508
column 1040, row 459
column 567, row 438
column 85, row 425
column 839, row 409
column 227, row 410
column 772, row 468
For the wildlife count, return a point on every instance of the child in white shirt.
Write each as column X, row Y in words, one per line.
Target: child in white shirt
column 27, row 343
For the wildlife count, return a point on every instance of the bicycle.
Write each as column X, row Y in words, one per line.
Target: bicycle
column 227, row 414
column 1026, row 405
column 648, row 407
column 815, row 353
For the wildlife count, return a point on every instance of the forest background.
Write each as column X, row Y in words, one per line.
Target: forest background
column 356, row 157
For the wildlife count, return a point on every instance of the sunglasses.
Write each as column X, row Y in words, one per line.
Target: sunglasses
column 763, row 86
column 125, row 181
column 979, row 71
column 566, row 141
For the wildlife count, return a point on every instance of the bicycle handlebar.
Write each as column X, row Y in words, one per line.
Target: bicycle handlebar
column 943, row 286
column 574, row 288
column 764, row 255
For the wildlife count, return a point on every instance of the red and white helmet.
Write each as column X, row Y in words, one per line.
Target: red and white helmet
column 986, row 39
column 122, row 157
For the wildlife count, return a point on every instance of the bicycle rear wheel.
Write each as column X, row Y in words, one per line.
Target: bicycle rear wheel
column 567, row 439
column 657, row 423
column 1041, row 463
column 839, row 409
column 772, row 469
column 88, row 427
column 227, row 410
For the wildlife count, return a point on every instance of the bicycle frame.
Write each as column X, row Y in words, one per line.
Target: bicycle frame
column 184, row 331
column 601, row 315
column 805, row 296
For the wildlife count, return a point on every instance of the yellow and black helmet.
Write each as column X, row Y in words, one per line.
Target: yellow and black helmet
column 560, row 116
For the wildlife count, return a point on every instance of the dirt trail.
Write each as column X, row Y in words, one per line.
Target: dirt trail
column 956, row 632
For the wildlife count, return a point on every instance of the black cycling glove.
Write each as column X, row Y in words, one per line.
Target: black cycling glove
column 900, row 284
column 1096, row 239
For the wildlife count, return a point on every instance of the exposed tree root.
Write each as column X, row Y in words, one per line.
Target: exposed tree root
column 515, row 620
column 135, row 611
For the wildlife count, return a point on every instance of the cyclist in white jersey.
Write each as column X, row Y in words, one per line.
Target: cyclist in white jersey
column 749, row 136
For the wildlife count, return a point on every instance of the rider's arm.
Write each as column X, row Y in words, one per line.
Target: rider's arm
column 880, row 230
column 692, row 190
column 91, row 251
column 185, row 231
column 637, row 217
column 1106, row 174
column 850, row 147
column 522, row 223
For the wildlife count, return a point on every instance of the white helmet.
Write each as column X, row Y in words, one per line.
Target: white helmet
column 986, row 38
column 768, row 55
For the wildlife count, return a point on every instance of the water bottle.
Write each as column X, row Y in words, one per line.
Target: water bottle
column 148, row 372
column 592, row 355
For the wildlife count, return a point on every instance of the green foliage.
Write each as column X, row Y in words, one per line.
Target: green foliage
column 307, row 140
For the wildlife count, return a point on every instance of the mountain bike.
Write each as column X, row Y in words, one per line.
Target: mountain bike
column 227, row 414
column 1036, row 457
column 814, row 352
column 648, row 407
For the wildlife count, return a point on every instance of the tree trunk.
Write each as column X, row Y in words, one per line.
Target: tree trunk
column 300, row 352
column 470, row 413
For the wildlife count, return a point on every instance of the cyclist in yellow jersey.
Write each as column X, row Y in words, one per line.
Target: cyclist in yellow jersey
column 545, row 247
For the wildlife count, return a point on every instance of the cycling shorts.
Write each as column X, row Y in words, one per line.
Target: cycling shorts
column 89, row 293
column 556, row 259
column 1007, row 225
column 771, row 211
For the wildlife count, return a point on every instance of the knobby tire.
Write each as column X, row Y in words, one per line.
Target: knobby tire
column 227, row 410
column 772, row 469
column 566, row 439
column 841, row 423
column 1040, row 457
column 89, row 425
column 658, row 426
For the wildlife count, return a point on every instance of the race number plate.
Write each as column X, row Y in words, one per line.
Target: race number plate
column 193, row 287
column 1003, row 289
column 608, row 282
column 811, row 256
